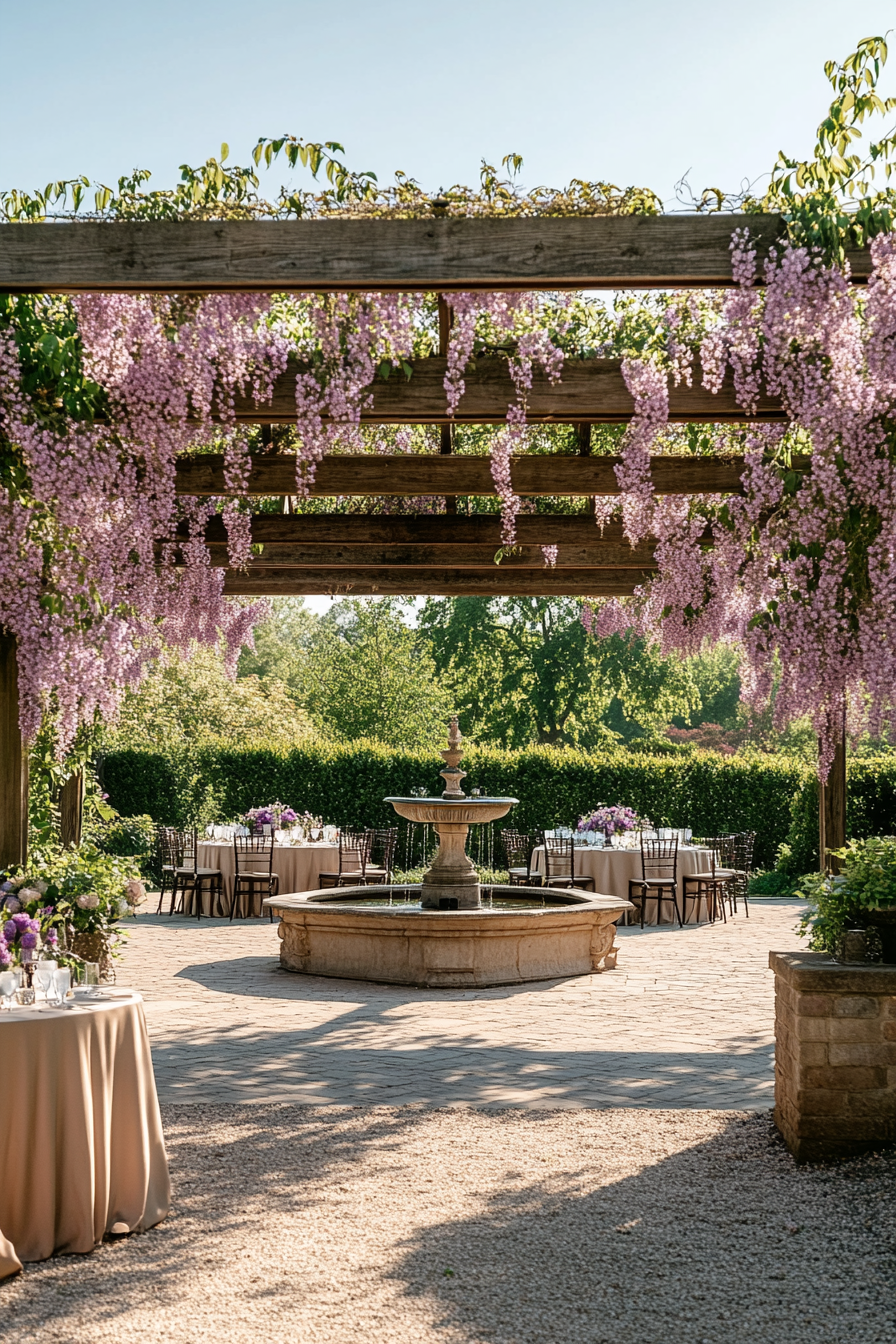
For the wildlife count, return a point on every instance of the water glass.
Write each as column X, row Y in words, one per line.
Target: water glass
column 60, row 986
column 89, row 975
column 43, row 976
column 9, row 983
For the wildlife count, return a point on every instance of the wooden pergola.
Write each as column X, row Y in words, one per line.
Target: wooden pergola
column 401, row 553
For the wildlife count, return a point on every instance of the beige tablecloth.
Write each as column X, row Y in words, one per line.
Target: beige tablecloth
column 81, row 1145
column 613, row 868
column 297, row 866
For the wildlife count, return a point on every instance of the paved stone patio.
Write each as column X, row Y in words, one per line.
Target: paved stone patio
column 686, row 1021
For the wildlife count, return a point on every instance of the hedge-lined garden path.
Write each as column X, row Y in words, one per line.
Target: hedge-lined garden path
column 686, row 1021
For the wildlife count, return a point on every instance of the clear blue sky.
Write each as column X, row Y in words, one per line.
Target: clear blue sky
column 632, row 92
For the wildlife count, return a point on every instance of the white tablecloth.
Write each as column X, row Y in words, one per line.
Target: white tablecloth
column 81, row 1147
column 612, row 869
column 297, row 866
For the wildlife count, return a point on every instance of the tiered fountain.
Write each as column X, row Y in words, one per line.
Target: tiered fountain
column 442, row 932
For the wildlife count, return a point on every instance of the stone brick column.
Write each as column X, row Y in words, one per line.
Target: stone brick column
column 835, row 1055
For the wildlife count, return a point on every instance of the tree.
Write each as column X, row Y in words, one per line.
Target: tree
column 187, row 702
column 524, row 670
column 366, row 673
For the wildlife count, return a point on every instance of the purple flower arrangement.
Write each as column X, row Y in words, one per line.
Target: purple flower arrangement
column 19, row 939
column 275, row 815
column 609, row 820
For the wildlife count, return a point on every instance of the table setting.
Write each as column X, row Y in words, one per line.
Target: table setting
column 81, row 1141
column 607, row 848
column 304, row 847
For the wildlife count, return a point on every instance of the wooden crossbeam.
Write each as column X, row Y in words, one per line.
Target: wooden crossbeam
column 327, row 531
column 589, row 390
column 494, row 581
column 417, row 474
column 280, row 555
column 579, row 252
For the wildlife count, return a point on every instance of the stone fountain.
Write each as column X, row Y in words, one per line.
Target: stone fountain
column 447, row 931
column 452, row 882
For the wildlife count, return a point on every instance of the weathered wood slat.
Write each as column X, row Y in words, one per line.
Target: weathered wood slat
column 439, row 254
column 589, row 390
column 291, row 556
column 436, row 529
column 413, row 474
column 495, row 581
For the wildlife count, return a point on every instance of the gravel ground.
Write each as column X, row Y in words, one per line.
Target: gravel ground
column 330, row 1225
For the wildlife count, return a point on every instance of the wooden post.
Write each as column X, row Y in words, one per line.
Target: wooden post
column 446, row 322
column 13, row 762
column 832, row 807
column 71, row 810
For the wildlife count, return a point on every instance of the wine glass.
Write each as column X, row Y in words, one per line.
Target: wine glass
column 59, row 987
column 9, row 983
column 43, row 976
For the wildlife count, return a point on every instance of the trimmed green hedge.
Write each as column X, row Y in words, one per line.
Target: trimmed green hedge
column 346, row 784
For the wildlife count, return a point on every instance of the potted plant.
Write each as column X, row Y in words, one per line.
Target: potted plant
column 861, row 896
column 72, row 900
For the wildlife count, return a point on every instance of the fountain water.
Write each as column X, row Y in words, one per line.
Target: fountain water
column 441, row 932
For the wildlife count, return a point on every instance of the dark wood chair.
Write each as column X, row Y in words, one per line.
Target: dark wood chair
column 381, row 854
column 742, row 856
column 253, row 874
column 518, row 849
column 354, row 851
column 560, row 864
column 190, row 879
column 712, row 884
column 170, row 857
column 659, row 878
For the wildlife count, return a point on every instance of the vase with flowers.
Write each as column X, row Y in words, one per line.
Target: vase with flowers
column 609, row 821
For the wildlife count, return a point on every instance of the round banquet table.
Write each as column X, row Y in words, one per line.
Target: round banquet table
column 613, row 868
column 297, row 866
column 81, row 1146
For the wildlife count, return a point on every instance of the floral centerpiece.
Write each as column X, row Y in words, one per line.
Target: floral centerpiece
column 71, row 900
column 275, row 815
column 609, row 821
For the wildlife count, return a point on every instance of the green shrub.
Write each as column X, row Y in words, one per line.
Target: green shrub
column 866, row 882
column 346, row 784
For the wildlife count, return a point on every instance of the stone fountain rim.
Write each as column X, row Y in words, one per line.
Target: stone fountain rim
column 302, row 900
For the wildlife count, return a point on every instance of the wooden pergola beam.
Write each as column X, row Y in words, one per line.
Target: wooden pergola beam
column 280, row 555
column 424, row 474
column 326, row 530
column 576, row 252
column 495, row 581
column 590, row 390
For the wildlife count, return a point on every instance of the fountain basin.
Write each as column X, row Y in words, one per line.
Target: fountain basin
column 339, row 933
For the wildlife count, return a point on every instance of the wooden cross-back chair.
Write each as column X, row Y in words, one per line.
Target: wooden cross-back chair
column 189, row 878
column 712, row 885
column 381, row 855
column 169, row 855
column 518, row 849
column 254, row 878
column 354, row 852
column 659, row 878
column 560, row 864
